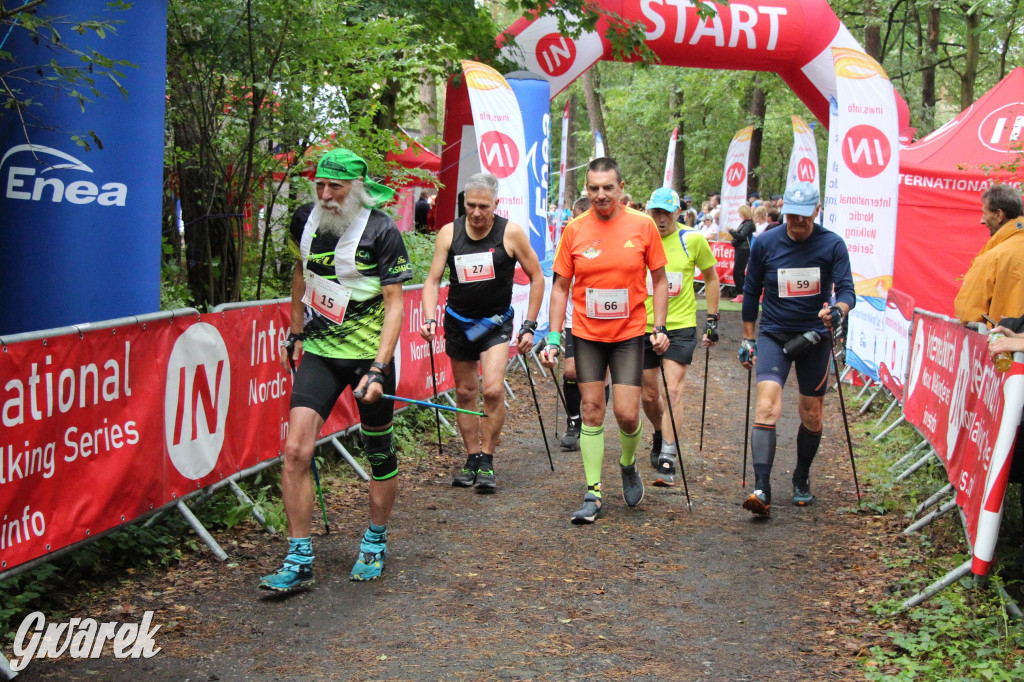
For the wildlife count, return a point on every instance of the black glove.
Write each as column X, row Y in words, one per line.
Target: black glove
column 372, row 377
column 289, row 347
column 836, row 313
column 711, row 328
column 529, row 327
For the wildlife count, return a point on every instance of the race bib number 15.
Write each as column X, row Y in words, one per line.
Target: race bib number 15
column 328, row 298
column 795, row 282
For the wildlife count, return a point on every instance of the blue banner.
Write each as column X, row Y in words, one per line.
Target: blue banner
column 533, row 95
column 80, row 230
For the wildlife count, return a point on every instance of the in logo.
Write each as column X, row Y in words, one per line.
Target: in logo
column 736, row 174
column 556, row 54
column 1001, row 130
column 499, row 153
column 24, row 184
column 196, row 400
column 806, row 170
column 866, row 150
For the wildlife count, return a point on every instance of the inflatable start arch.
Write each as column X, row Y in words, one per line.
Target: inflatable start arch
column 793, row 38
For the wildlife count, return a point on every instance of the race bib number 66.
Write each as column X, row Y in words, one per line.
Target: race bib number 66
column 796, row 282
column 607, row 304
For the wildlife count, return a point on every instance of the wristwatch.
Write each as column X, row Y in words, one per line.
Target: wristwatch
column 714, row 316
column 660, row 329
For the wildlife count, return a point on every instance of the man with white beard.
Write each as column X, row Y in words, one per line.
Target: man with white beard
column 346, row 315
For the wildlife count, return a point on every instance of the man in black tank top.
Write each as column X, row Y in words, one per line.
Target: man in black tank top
column 481, row 250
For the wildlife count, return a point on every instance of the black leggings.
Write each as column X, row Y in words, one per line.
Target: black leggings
column 740, row 269
column 624, row 358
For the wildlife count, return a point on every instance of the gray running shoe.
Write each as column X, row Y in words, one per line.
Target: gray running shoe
column 759, row 502
column 590, row 510
column 666, row 476
column 632, row 486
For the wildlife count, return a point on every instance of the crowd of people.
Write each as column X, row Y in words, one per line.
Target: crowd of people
column 622, row 311
column 622, row 320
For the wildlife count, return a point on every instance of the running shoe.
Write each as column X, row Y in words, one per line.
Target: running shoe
column 802, row 492
column 485, row 480
column 632, row 486
column 571, row 439
column 656, row 449
column 759, row 502
column 372, row 550
column 589, row 512
column 467, row 475
column 288, row 578
column 666, row 476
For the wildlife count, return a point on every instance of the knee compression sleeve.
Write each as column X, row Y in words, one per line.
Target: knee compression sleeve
column 380, row 450
column 762, row 448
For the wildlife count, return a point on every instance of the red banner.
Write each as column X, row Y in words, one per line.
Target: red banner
column 103, row 426
column 895, row 355
column 726, row 257
column 969, row 413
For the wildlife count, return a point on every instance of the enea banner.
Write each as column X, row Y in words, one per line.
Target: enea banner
column 561, row 180
column 864, row 185
column 969, row 413
column 803, row 160
column 102, row 427
column 892, row 366
column 734, row 180
column 500, row 139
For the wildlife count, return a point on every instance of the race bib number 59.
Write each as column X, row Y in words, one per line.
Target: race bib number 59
column 795, row 282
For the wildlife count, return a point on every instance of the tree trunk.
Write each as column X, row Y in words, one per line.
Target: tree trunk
column 972, row 26
column 591, row 90
column 169, row 222
column 757, row 111
column 571, row 188
column 928, row 74
column 428, row 118
column 872, row 31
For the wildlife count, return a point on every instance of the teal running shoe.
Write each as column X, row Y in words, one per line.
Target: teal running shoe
column 372, row 550
column 802, row 492
column 288, row 578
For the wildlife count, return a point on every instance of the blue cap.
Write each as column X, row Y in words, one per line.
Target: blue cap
column 801, row 198
column 664, row 198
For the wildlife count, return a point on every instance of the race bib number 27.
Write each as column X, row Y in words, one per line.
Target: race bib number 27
column 796, row 282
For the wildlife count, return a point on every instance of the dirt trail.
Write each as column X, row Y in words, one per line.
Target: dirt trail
column 504, row 587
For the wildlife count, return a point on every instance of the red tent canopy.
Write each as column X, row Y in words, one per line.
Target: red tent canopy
column 942, row 176
column 414, row 156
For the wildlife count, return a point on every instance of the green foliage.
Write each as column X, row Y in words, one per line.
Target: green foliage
column 421, row 253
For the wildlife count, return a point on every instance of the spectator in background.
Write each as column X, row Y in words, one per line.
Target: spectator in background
column 422, row 211
column 761, row 222
column 994, row 284
column 741, row 243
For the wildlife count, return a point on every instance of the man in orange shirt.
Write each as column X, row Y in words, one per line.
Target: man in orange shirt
column 609, row 250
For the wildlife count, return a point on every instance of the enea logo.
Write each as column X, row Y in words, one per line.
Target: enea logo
column 556, row 54
column 196, row 400
column 866, row 150
column 1001, row 130
column 958, row 418
column 736, row 174
column 806, row 170
column 25, row 184
column 499, row 153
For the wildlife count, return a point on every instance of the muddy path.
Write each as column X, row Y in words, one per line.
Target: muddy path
column 504, row 587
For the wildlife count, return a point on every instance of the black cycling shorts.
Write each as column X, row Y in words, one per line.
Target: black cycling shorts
column 567, row 343
column 458, row 347
column 682, row 343
column 812, row 369
column 624, row 358
column 319, row 381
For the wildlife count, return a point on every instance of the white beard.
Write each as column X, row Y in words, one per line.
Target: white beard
column 335, row 219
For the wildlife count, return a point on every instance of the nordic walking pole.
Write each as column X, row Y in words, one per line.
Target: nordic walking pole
column 675, row 432
column 558, row 390
column 704, row 400
column 529, row 378
column 424, row 403
column 433, row 379
column 842, row 407
column 312, row 461
column 746, row 429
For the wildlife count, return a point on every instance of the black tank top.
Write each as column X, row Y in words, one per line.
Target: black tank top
column 486, row 297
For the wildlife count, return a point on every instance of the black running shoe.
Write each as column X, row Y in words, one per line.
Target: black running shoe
column 802, row 492
column 485, row 480
column 571, row 439
column 467, row 475
column 666, row 476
